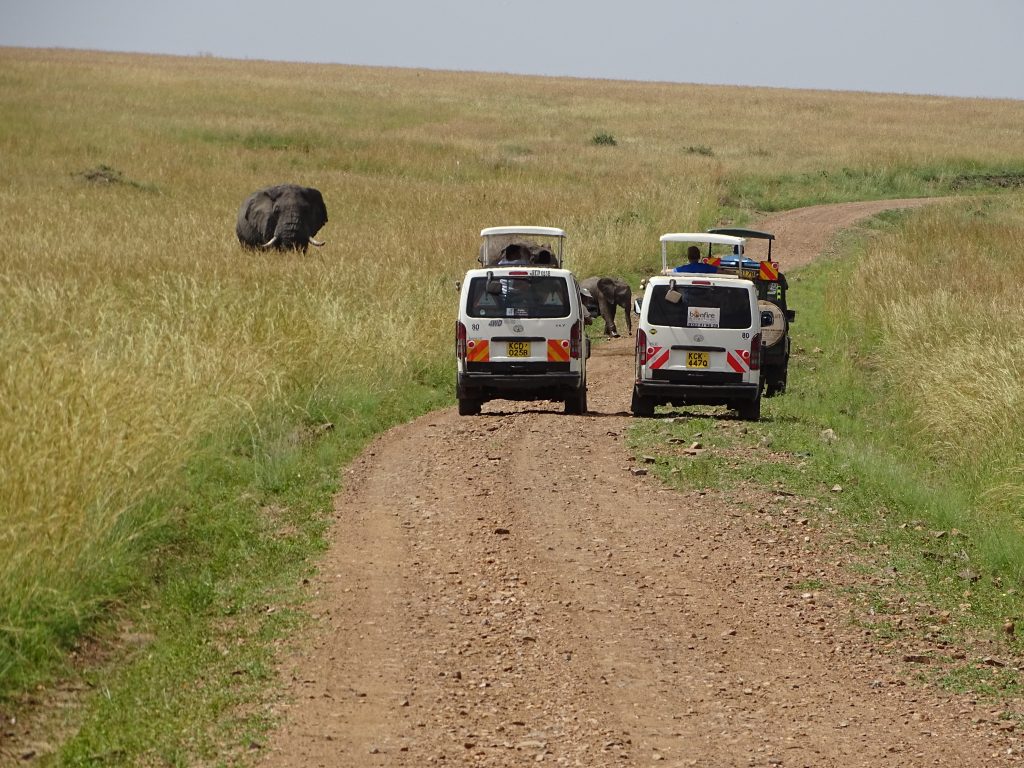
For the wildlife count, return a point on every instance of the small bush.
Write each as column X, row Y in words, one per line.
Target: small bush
column 104, row 174
column 700, row 150
column 1007, row 180
column 604, row 139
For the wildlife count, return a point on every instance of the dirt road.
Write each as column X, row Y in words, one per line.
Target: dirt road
column 502, row 590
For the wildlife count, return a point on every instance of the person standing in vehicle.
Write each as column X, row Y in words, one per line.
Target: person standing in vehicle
column 694, row 264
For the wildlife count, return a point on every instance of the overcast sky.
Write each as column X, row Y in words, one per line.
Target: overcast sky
column 944, row 47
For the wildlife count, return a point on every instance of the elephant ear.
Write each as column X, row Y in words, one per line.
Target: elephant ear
column 255, row 219
column 623, row 292
column 317, row 210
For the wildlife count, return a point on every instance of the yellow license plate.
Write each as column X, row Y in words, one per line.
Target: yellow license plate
column 519, row 349
column 697, row 360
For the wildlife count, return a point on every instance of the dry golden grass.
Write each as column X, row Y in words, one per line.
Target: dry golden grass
column 132, row 323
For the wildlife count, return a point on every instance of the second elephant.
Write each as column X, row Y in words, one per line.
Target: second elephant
column 608, row 293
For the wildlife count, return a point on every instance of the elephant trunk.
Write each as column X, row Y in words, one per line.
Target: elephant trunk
column 291, row 233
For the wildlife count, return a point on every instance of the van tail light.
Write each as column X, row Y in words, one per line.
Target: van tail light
column 641, row 347
column 576, row 340
column 755, row 352
column 460, row 340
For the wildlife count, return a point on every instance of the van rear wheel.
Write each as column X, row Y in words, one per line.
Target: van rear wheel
column 773, row 380
column 469, row 406
column 750, row 410
column 577, row 402
column 641, row 406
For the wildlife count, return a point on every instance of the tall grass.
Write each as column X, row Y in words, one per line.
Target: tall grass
column 944, row 296
column 133, row 326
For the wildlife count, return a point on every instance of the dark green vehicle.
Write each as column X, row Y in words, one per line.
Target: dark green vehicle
column 775, row 313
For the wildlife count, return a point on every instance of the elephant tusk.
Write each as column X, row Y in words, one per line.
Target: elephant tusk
column 317, row 243
column 269, row 242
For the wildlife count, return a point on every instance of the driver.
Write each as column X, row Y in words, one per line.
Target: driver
column 694, row 264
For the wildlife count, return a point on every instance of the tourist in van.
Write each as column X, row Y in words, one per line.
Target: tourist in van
column 693, row 262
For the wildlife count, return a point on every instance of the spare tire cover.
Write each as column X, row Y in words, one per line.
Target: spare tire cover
column 774, row 333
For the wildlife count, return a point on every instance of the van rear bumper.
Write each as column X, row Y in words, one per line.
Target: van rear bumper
column 539, row 386
column 696, row 394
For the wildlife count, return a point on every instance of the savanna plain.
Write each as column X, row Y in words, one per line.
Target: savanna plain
column 174, row 411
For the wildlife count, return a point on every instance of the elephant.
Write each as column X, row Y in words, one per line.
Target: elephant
column 285, row 217
column 606, row 294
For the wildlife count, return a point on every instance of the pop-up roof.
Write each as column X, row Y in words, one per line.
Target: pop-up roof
column 535, row 246
column 698, row 238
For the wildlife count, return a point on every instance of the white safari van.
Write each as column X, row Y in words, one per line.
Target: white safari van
column 519, row 333
column 699, row 335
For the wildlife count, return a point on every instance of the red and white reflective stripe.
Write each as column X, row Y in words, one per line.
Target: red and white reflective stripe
column 768, row 270
column 558, row 350
column 657, row 356
column 478, row 351
column 739, row 360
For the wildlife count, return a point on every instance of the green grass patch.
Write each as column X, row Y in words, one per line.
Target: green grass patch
column 982, row 679
column 845, row 184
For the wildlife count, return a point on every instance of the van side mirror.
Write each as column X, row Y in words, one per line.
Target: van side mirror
column 636, row 306
column 767, row 319
column 791, row 315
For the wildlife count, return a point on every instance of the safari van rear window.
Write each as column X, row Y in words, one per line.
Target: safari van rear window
column 701, row 306
column 537, row 296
